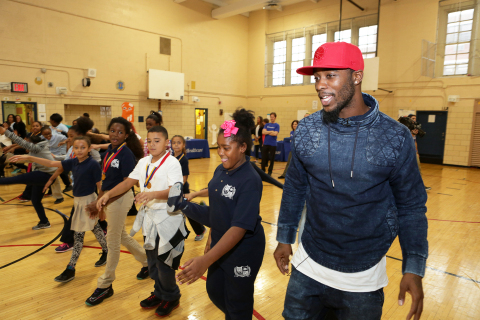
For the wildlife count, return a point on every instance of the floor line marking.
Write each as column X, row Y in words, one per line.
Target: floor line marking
column 43, row 246
column 445, row 194
column 455, row 221
column 445, row 272
column 255, row 313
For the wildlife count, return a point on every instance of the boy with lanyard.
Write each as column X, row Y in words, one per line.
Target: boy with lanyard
column 164, row 234
column 234, row 253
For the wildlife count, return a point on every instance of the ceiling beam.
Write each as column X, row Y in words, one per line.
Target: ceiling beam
column 237, row 8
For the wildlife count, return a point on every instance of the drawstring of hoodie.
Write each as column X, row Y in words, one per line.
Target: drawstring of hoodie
column 330, row 157
column 354, row 148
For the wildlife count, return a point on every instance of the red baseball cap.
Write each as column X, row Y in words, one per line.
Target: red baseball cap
column 337, row 55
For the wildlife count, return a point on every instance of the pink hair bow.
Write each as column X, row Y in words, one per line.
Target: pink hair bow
column 229, row 128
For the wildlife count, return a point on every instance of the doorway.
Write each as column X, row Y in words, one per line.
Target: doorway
column 201, row 123
column 23, row 109
column 432, row 145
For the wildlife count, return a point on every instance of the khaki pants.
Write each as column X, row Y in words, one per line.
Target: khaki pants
column 116, row 214
column 56, row 189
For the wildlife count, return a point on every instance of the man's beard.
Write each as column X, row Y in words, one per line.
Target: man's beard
column 345, row 96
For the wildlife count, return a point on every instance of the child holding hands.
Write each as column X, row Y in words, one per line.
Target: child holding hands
column 87, row 174
column 164, row 234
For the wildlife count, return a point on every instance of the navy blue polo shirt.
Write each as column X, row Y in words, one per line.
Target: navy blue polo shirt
column 119, row 168
column 185, row 171
column 235, row 200
column 86, row 174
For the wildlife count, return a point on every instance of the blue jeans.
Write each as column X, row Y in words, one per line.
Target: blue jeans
column 309, row 299
column 37, row 180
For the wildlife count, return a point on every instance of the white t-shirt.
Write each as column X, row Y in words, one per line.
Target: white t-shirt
column 365, row 281
column 169, row 173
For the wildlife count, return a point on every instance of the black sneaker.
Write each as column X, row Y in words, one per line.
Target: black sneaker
column 99, row 295
column 428, row 188
column 103, row 260
column 281, row 177
column 67, row 275
column 41, row 226
column 176, row 201
column 166, row 307
column 68, row 188
column 151, row 302
column 143, row 274
column 59, row 201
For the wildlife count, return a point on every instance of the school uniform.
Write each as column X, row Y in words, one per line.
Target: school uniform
column 118, row 169
column 164, row 233
column 234, row 202
column 67, row 232
column 84, row 193
column 83, row 190
column 198, row 228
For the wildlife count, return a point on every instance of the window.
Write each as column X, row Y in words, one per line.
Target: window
column 367, row 41
column 317, row 41
column 345, row 36
column 298, row 56
column 288, row 50
column 279, row 59
column 457, row 44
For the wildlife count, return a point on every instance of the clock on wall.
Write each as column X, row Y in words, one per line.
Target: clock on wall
column 21, row 87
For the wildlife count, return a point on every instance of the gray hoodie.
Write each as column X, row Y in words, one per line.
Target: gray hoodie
column 40, row 150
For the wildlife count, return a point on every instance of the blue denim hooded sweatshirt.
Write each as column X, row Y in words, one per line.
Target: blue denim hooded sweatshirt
column 360, row 180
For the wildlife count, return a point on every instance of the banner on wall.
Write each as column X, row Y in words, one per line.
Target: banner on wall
column 127, row 111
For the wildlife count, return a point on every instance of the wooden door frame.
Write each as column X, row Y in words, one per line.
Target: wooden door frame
column 476, row 109
column 35, row 108
column 206, row 121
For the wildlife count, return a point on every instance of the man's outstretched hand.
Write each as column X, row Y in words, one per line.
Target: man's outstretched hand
column 282, row 256
column 412, row 284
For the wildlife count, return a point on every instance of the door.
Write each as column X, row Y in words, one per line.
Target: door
column 201, row 123
column 432, row 145
column 27, row 110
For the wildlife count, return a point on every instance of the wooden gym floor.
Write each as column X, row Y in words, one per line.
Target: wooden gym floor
column 27, row 289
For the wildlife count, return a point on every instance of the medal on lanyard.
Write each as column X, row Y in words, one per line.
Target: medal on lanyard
column 108, row 161
column 148, row 178
column 181, row 157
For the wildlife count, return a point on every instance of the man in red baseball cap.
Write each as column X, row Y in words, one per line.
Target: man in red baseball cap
column 356, row 170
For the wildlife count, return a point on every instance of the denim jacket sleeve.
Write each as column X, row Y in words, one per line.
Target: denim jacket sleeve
column 410, row 198
column 293, row 200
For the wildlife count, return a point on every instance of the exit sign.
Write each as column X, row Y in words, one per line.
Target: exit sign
column 19, row 87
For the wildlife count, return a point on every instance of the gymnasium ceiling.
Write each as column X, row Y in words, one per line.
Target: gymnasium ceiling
column 228, row 8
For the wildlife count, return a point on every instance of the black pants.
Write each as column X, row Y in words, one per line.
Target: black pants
column 65, row 179
column 288, row 164
column 231, row 279
column 36, row 179
column 68, row 234
column 165, row 286
column 268, row 153
column 257, row 149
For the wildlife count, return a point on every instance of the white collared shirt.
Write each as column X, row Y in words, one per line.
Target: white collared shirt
column 168, row 174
